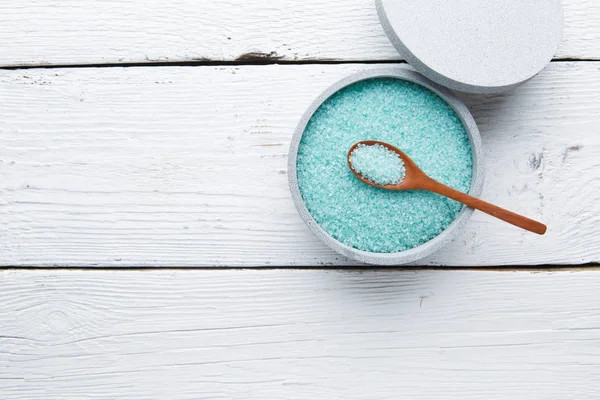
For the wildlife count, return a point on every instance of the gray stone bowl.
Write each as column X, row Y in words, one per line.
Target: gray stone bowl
column 424, row 250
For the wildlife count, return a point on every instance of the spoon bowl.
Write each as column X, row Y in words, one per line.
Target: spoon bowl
column 416, row 179
column 413, row 174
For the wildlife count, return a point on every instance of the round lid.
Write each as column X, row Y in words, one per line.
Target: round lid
column 478, row 46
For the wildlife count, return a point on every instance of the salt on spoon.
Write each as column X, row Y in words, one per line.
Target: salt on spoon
column 384, row 166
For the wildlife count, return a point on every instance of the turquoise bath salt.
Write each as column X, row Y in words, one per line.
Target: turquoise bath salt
column 378, row 164
column 405, row 115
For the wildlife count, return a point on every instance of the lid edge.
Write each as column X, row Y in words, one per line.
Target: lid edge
column 434, row 75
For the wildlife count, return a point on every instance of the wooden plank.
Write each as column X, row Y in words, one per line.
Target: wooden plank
column 48, row 32
column 193, row 334
column 187, row 167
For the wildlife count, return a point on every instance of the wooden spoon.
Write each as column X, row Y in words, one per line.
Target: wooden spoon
column 415, row 179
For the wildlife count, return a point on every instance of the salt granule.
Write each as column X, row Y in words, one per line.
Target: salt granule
column 378, row 164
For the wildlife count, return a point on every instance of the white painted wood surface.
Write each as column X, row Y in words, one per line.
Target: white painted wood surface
column 43, row 32
column 187, row 167
column 276, row 334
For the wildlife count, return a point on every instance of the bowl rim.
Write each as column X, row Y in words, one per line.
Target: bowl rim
column 429, row 247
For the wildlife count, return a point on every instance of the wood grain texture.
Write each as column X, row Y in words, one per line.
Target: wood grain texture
column 187, row 167
column 50, row 32
column 299, row 335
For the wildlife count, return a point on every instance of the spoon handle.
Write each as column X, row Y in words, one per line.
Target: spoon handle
column 478, row 204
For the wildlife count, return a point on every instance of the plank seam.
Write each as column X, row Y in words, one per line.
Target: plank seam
column 221, row 63
column 502, row 268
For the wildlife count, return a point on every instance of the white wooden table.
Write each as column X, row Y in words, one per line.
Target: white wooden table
column 155, row 134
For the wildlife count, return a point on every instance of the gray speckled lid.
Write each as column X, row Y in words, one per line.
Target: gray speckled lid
column 477, row 46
